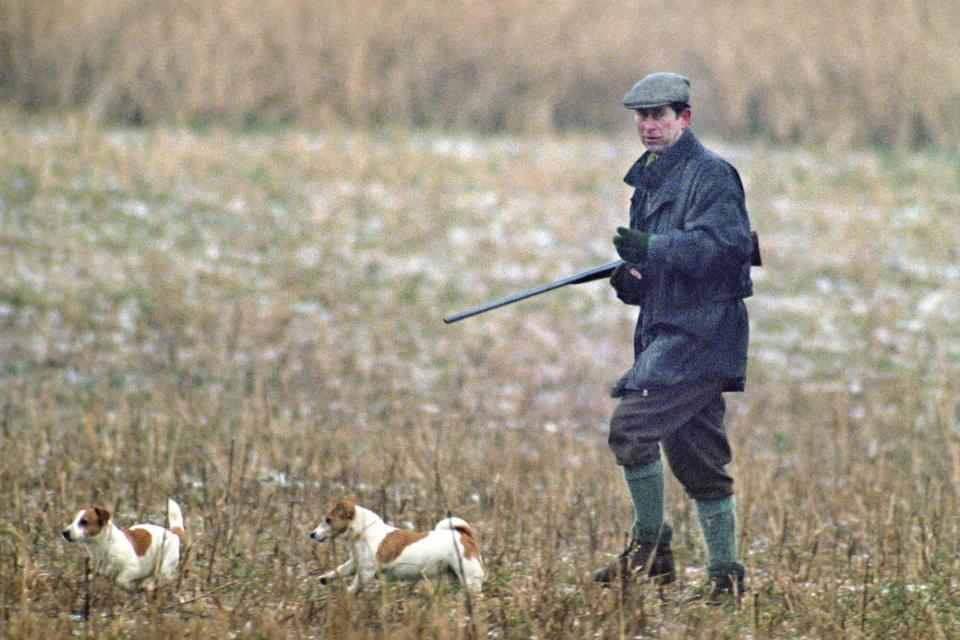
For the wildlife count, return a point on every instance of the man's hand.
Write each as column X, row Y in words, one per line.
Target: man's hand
column 625, row 280
column 631, row 244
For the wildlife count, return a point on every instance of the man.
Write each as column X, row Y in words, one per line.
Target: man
column 687, row 260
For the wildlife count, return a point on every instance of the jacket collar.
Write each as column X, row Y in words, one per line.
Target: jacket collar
column 643, row 176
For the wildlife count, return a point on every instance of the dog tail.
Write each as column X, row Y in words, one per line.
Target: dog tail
column 455, row 524
column 467, row 538
column 175, row 520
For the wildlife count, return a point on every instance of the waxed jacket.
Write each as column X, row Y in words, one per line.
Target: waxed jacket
column 692, row 325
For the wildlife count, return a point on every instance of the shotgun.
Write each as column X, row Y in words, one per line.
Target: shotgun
column 596, row 273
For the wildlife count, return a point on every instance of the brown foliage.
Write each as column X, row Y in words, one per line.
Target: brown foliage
column 866, row 71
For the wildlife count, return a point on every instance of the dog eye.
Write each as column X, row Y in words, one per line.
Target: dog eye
column 327, row 520
column 83, row 522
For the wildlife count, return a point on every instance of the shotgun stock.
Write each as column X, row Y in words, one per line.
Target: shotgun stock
column 596, row 273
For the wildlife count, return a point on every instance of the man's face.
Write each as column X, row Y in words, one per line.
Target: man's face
column 660, row 127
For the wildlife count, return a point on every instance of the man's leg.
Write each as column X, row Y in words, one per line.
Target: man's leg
column 718, row 521
column 698, row 453
column 639, row 423
column 648, row 552
column 645, row 483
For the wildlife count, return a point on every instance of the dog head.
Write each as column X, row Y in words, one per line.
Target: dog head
column 338, row 519
column 88, row 523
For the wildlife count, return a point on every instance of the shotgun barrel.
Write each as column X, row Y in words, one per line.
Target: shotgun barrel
column 596, row 273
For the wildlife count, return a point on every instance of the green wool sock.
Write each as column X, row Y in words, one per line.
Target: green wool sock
column 718, row 521
column 645, row 483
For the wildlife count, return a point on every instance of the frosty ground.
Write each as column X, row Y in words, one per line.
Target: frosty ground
column 251, row 323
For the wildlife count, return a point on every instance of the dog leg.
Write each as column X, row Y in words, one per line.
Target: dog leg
column 168, row 573
column 355, row 584
column 346, row 569
column 473, row 576
column 126, row 581
column 362, row 577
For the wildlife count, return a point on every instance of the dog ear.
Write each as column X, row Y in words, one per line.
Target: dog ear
column 345, row 507
column 102, row 514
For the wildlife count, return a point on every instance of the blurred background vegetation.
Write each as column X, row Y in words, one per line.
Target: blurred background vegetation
column 864, row 72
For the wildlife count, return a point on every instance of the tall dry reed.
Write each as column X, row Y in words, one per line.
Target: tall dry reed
column 864, row 71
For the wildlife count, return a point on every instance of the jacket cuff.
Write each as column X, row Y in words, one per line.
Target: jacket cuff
column 657, row 250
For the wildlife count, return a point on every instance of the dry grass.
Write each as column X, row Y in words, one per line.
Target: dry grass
column 864, row 71
column 251, row 324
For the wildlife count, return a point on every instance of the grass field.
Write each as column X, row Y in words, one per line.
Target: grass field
column 251, row 324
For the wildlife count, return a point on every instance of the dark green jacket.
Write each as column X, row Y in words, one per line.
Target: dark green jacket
column 693, row 323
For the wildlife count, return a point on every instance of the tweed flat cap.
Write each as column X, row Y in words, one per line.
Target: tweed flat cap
column 658, row 89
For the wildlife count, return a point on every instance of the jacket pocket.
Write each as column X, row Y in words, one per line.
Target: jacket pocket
column 659, row 200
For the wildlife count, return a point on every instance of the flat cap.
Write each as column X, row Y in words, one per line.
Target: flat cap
column 658, row 89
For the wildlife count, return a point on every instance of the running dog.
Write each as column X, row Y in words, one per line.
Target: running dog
column 142, row 555
column 378, row 548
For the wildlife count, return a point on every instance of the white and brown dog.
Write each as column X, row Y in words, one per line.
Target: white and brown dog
column 142, row 555
column 378, row 548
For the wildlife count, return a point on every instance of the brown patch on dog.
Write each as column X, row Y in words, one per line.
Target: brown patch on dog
column 140, row 539
column 395, row 542
column 341, row 513
column 103, row 515
column 470, row 549
column 93, row 520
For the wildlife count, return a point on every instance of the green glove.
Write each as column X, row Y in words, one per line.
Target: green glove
column 631, row 244
column 628, row 287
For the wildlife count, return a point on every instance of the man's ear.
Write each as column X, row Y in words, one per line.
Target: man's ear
column 685, row 117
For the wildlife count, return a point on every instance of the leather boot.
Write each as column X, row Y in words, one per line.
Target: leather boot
column 633, row 561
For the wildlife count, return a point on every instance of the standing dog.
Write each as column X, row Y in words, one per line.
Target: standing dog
column 378, row 548
column 144, row 553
